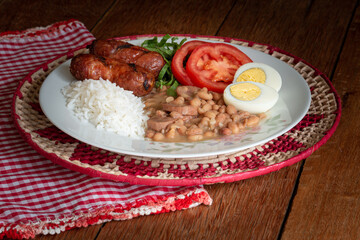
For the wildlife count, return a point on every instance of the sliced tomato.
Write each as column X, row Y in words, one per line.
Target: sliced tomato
column 213, row 65
column 179, row 61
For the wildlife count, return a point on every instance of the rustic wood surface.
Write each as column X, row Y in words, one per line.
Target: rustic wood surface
column 317, row 198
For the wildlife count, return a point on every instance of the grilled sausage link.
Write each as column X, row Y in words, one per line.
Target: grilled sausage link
column 129, row 53
column 128, row 76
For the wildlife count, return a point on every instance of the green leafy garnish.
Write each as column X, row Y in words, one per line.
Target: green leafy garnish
column 167, row 50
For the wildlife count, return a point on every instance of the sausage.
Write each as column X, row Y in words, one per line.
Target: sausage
column 128, row 76
column 129, row 53
column 183, row 109
column 159, row 123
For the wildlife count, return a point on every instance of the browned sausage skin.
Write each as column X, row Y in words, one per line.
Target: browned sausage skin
column 129, row 53
column 128, row 76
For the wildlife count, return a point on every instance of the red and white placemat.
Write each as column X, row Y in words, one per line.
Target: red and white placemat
column 40, row 197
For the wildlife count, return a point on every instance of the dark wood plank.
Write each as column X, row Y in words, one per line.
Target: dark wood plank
column 311, row 30
column 17, row 15
column 237, row 211
column 87, row 233
column 329, row 186
column 160, row 17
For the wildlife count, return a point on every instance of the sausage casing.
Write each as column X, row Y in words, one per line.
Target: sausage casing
column 129, row 53
column 128, row 76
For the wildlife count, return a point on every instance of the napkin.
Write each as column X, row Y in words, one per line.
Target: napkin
column 40, row 197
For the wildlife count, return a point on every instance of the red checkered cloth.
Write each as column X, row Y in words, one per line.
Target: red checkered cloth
column 40, row 197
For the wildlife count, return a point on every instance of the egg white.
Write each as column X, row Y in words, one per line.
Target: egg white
column 272, row 77
column 265, row 101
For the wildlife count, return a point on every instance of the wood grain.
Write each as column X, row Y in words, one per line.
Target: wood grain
column 311, row 30
column 17, row 15
column 240, row 210
column 161, row 17
column 85, row 233
column 327, row 202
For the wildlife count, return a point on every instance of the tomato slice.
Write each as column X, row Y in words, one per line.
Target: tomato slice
column 213, row 65
column 179, row 60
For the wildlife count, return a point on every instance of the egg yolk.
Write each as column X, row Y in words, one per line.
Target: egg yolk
column 253, row 75
column 245, row 91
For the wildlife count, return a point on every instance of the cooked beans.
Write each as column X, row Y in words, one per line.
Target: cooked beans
column 216, row 96
column 205, row 121
column 211, row 114
column 226, row 131
column 212, row 118
column 220, row 119
column 204, row 109
column 179, row 101
column 230, row 109
column 252, row 121
column 169, row 99
column 176, row 115
column 182, row 130
column 194, row 130
column 222, row 109
column 209, row 134
column 149, row 133
column 221, row 102
column 211, row 102
column 160, row 113
column 195, row 137
column 233, row 127
column 196, row 102
column 158, row 136
column 204, row 94
column 171, row 133
column 215, row 107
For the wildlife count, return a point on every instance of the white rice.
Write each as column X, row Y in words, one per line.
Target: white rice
column 107, row 106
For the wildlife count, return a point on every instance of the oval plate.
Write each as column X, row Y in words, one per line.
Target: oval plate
column 294, row 102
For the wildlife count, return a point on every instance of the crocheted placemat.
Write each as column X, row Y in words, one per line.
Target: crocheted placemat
column 309, row 134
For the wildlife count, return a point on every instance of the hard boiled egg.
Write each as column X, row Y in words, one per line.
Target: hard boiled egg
column 251, row 96
column 258, row 72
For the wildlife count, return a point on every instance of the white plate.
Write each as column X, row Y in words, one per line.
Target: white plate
column 293, row 104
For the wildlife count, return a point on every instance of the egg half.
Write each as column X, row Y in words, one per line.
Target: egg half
column 251, row 96
column 259, row 72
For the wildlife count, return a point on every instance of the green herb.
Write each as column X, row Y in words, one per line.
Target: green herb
column 167, row 46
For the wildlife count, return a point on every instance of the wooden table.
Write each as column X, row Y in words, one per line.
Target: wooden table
column 317, row 198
